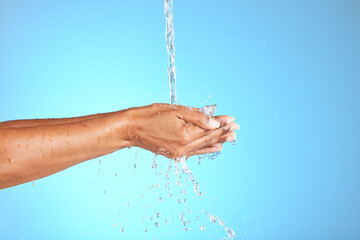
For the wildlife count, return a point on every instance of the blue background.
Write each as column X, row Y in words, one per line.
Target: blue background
column 287, row 70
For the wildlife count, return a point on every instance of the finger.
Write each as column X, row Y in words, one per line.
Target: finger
column 228, row 137
column 205, row 150
column 200, row 119
column 212, row 136
column 194, row 131
column 224, row 119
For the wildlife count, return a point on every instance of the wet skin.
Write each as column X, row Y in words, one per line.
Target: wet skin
column 33, row 149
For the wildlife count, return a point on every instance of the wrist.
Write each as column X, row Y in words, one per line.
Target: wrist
column 136, row 125
column 123, row 124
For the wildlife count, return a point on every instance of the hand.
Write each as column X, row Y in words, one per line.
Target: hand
column 175, row 130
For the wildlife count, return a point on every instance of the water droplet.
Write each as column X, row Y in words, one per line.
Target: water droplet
column 160, row 199
column 202, row 228
column 122, row 229
column 157, row 224
column 230, row 233
column 33, row 183
column 199, row 160
column 184, row 223
column 221, row 222
column 145, row 229
column 154, row 163
column 213, row 218
column 186, row 229
column 11, row 161
column 157, row 214
column 128, row 204
column 135, row 166
column 179, row 201
column 233, row 142
column 170, row 194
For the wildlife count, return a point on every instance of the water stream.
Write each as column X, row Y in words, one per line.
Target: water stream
column 207, row 110
column 170, row 45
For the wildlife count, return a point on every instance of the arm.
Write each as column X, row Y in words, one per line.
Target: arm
column 49, row 121
column 31, row 152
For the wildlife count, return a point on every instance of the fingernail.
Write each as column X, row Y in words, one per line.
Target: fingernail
column 234, row 127
column 230, row 120
column 214, row 123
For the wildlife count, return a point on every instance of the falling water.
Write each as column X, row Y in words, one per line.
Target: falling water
column 187, row 171
column 215, row 219
column 170, row 45
column 208, row 110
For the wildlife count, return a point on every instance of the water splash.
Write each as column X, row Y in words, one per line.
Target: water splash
column 167, row 175
column 215, row 219
column 188, row 172
column 209, row 111
column 178, row 182
column 170, row 45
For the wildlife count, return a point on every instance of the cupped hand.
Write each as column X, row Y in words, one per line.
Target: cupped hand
column 175, row 130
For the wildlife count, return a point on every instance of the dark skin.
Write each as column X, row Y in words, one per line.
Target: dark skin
column 33, row 149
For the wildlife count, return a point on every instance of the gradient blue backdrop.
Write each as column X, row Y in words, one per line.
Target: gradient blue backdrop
column 287, row 70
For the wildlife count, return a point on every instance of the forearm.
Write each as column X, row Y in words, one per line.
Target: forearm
column 28, row 153
column 48, row 121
